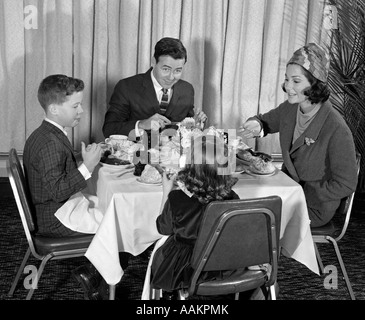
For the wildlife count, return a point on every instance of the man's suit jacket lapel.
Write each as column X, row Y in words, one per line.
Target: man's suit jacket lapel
column 149, row 91
column 175, row 97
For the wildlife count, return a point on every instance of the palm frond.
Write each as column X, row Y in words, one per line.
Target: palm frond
column 346, row 78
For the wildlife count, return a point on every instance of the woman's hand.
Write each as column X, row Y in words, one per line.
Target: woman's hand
column 250, row 129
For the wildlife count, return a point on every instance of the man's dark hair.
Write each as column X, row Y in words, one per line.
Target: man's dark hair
column 55, row 88
column 170, row 47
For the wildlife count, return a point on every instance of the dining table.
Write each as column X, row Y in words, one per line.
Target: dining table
column 130, row 208
column 123, row 210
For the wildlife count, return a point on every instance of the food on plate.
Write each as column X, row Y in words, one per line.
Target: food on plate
column 108, row 158
column 245, row 156
column 185, row 133
column 188, row 123
column 150, row 175
column 212, row 131
column 122, row 155
column 256, row 162
column 260, row 166
column 169, row 156
column 240, row 167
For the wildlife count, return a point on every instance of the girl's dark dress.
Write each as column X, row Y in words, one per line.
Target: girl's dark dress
column 180, row 218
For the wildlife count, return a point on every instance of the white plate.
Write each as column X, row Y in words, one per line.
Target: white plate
column 148, row 183
column 248, row 171
column 239, row 172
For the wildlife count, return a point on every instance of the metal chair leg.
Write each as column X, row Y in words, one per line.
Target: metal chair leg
column 183, row 294
column 38, row 276
column 344, row 272
column 272, row 292
column 111, row 292
column 18, row 274
column 155, row 294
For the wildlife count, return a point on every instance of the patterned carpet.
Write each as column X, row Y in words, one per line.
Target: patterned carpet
column 296, row 282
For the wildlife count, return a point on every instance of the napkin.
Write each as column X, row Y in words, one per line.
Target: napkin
column 80, row 213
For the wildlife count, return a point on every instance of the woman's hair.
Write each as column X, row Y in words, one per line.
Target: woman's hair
column 318, row 92
column 55, row 89
column 206, row 174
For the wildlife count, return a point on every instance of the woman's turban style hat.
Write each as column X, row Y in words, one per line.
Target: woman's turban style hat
column 314, row 59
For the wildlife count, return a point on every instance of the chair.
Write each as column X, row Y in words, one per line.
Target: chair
column 42, row 248
column 234, row 235
column 334, row 231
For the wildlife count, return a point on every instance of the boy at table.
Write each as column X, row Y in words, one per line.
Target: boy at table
column 49, row 160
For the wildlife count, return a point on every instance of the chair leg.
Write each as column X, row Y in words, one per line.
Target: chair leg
column 38, row 276
column 319, row 260
column 20, row 270
column 272, row 292
column 344, row 272
column 183, row 294
column 111, row 292
column 155, row 294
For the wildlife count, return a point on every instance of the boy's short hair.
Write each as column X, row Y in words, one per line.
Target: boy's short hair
column 170, row 47
column 55, row 89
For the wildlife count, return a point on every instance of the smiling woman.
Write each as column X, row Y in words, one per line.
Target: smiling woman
column 317, row 145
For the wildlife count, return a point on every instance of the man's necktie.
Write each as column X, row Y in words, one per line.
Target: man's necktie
column 164, row 101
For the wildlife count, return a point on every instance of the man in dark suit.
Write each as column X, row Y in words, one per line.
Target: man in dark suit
column 50, row 165
column 138, row 101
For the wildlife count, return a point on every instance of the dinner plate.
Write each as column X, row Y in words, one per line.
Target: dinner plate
column 248, row 171
column 239, row 172
column 148, row 183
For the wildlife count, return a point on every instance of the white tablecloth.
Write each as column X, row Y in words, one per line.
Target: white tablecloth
column 130, row 210
column 295, row 234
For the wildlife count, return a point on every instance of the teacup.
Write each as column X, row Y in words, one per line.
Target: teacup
column 117, row 141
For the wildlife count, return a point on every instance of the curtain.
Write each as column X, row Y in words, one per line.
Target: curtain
column 237, row 53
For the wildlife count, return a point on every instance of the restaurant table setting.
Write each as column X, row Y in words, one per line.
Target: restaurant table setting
column 128, row 196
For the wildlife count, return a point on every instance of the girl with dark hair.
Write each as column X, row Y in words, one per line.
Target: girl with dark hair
column 317, row 146
column 203, row 179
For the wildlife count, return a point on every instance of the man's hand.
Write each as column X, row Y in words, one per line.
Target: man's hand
column 200, row 117
column 91, row 155
column 155, row 122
